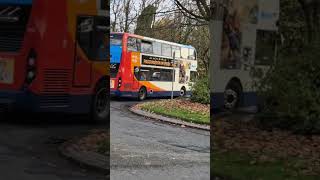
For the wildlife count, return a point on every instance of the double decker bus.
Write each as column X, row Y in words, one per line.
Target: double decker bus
column 53, row 56
column 142, row 67
column 244, row 49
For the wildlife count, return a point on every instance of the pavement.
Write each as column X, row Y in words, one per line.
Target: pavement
column 29, row 148
column 144, row 149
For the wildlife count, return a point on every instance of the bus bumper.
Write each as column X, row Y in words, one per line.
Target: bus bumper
column 11, row 100
column 25, row 101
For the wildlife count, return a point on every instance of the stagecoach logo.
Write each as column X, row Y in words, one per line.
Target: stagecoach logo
column 156, row 61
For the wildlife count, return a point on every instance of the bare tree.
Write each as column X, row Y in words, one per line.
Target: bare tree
column 209, row 11
column 116, row 12
column 124, row 13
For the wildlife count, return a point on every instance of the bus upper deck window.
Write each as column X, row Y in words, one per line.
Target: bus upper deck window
column 184, row 53
column 156, row 48
column 133, row 44
column 146, row 47
column 177, row 51
column 192, row 54
column 166, row 50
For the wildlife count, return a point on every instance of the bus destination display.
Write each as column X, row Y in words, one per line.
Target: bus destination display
column 156, row 61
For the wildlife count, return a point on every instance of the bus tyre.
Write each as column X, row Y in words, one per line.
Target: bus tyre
column 183, row 92
column 101, row 104
column 232, row 96
column 142, row 95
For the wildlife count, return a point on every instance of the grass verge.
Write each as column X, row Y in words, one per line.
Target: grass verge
column 179, row 112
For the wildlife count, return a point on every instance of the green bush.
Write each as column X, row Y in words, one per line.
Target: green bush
column 104, row 147
column 291, row 92
column 200, row 91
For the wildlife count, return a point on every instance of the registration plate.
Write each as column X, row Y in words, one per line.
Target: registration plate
column 111, row 83
column 6, row 71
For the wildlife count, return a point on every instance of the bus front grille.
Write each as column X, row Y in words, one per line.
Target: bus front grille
column 57, row 81
column 56, row 88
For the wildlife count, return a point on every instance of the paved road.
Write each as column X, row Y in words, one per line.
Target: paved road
column 29, row 149
column 144, row 149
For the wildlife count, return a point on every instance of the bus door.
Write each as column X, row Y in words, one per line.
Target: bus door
column 82, row 66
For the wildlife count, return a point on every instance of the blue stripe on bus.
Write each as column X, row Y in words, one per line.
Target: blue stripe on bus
column 154, row 94
column 20, row 2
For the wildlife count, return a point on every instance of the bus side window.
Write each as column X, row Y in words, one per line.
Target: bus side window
column 133, row 44
column 146, row 47
column 142, row 74
column 156, row 48
column 156, row 75
column 192, row 54
column 166, row 75
column 84, row 35
column 184, row 53
column 101, row 39
column 177, row 52
column 166, row 50
column 92, row 38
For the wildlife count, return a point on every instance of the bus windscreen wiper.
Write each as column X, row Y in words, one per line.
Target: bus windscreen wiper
column 9, row 14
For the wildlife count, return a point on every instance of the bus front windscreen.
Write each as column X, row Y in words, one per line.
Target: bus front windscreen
column 115, row 52
column 13, row 24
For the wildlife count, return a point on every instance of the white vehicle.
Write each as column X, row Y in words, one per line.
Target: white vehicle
column 245, row 40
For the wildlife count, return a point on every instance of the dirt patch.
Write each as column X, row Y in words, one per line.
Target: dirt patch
column 243, row 135
column 96, row 141
column 181, row 103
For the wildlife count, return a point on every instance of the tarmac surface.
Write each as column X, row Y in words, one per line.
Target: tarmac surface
column 144, row 149
column 29, row 148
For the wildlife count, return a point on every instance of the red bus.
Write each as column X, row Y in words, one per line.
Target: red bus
column 142, row 67
column 53, row 56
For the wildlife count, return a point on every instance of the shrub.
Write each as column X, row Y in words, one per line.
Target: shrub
column 291, row 92
column 200, row 91
column 104, row 147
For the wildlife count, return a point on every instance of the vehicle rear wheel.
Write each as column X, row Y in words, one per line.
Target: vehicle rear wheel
column 232, row 96
column 101, row 104
column 183, row 92
column 142, row 94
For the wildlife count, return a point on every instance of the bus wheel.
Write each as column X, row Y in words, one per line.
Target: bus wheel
column 101, row 104
column 232, row 96
column 142, row 94
column 182, row 92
